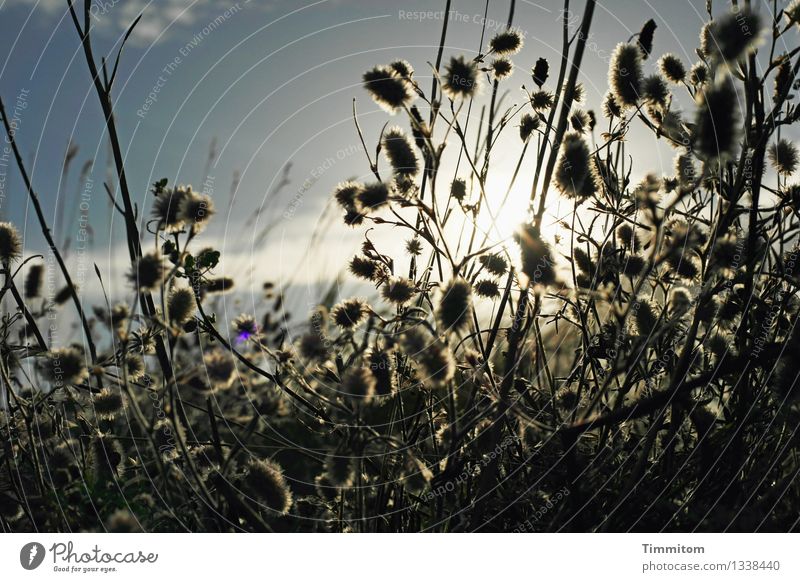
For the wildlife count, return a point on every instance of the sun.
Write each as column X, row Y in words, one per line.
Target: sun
column 507, row 209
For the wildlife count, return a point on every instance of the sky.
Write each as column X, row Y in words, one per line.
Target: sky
column 270, row 85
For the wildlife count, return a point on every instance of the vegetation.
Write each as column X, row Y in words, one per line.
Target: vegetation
column 635, row 371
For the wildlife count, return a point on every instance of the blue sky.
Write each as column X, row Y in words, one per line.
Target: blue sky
column 271, row 83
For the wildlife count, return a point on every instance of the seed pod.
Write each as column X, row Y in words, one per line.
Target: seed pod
column 540, row 72
column 646, row 37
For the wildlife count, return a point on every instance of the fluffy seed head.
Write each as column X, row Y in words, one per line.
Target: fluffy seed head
column 350, row 313
column 645, row 316
column 266, row 481
column 434, row 360
column 105, row 455
column 134, row 367
column 461, row 78
column 400, row 153
column 338, row 470
column 414, row 247
column 494, row 263
column 655, row 91
column 536, row 258
column 611, row 108
column 196, row 210
column 314, row 347
column 507, row 42
column 792, row 12
column 502, row 68
column 783, row 156
column 123, row 521
column 345, row 194
column 580, row 121
column 672, row 68
column 783, row 79
column 33, row 281
column 245, row 327
column 541, row 100
column 388, row 89
column 726, row 253
column 733, row 36
column 402, row 68
column 398, row 290
column 627, row 237
column 107, row 403
column 680, row 299
column 181, row 305
column 625, row 74
column 358, row 384
column 458, row 189
column 148, row 272
column 10, row 242
column 367, row 269
column 716, row 131
column 372, row 196
column 698, row 74
column 684, row 265
column 64, row 366
column 167, row 207
column 380, row 364
column 220, row 368
column 685, row 171
column 583, row 261
column 528, row 124
column 575, row 175
column 487, row 288
column 454, row 306
column 633, row 265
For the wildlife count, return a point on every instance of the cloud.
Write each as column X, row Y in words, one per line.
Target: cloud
column 161, row 19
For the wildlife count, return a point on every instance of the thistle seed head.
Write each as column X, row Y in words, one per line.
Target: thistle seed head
column 389, row 90
column 10, row 243
column 625, row 75
column 454, row 307
column 508, row 42
column 672, row 68
column 461, row 78
column 266, row 481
